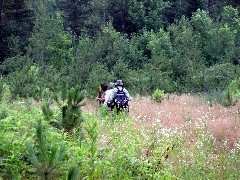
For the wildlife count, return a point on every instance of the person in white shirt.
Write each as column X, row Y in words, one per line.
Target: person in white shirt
column 118, row 90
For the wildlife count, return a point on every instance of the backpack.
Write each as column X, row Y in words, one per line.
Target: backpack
column 120, row 99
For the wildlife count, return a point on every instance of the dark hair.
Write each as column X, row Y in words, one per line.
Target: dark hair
column 104, row 84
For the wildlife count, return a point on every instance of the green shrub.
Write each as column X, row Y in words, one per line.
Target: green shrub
column 24, row 83
column 218, row 76
column 227, row 98
column 234, row 88
column 232, row 94
column 158, row 95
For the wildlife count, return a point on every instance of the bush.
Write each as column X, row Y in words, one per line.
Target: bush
column 24, row 83
column 158, row 95
column 234, row 88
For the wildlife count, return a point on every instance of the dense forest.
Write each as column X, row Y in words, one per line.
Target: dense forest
column 176, row 46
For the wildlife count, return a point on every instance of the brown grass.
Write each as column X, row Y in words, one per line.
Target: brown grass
column 176, row 111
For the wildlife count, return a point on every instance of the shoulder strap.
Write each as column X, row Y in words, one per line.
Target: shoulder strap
column 120, row 91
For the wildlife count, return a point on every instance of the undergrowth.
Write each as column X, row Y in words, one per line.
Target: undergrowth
column 109, row 147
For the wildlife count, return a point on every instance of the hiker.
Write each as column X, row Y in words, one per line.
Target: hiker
column 109, row 103
column 119, row 95
column 102, row 93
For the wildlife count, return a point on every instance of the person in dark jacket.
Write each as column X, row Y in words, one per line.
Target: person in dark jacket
column 102, row 93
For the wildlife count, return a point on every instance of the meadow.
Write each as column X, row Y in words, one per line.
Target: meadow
column 183, row 137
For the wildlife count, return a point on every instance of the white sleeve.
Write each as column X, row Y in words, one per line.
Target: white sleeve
column 107, row 97
column 127, row 94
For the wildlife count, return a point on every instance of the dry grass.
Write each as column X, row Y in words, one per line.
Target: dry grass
column 176, row 111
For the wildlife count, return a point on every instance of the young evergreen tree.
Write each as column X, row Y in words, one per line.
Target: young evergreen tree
column 10, row 174
column 45, row 156
column 70, row 101
column 73, row 173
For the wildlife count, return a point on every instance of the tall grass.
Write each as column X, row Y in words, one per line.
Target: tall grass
column 180, row 138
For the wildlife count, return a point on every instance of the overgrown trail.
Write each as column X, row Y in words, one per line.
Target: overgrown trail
column 222, row 122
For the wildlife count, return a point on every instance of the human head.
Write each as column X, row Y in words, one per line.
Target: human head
column 119, row 83
column 111, row 85
column 104, row 86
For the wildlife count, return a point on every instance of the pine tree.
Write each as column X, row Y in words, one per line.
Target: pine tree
column 44, row 156
column 73, row 173
column 11, row 174
column 70, row 101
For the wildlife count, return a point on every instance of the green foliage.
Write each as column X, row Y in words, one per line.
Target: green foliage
column 234, row 88
column 231, row 17
column 92, row 132
column 16, row 63
column 158, row 95
column 83, row 62
column 198, row 52
column 69, row 102
column 45, row 156
column 147, row 14
column 158, row 78
column 11, row 174
column 219, row 76
column 139, row 82
column 73, row 173
column 227, row 98
column 110, row 150
column 99, row 74
column 159, row 44
column 24, row 83
column 16, row 26
column 2, row 88
column 187, row 57
column 220, row 47
column 121, row 71
column 26, row 79
column 111, row 47
column 231, row 94
column 201, row 22
column 47, row 111
column 83, row 23
column 16, row 131
column 49, row 43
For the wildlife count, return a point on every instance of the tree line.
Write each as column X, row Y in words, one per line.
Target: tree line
column 175, row 46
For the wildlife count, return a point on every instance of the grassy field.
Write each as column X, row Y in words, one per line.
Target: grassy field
column 183, row 137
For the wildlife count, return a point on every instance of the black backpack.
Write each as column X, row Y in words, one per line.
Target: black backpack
column 121, row 99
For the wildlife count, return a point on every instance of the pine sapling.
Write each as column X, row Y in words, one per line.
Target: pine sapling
column 44, row 156
column 70, row 102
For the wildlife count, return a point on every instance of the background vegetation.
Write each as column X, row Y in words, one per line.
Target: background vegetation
column 185, row 46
